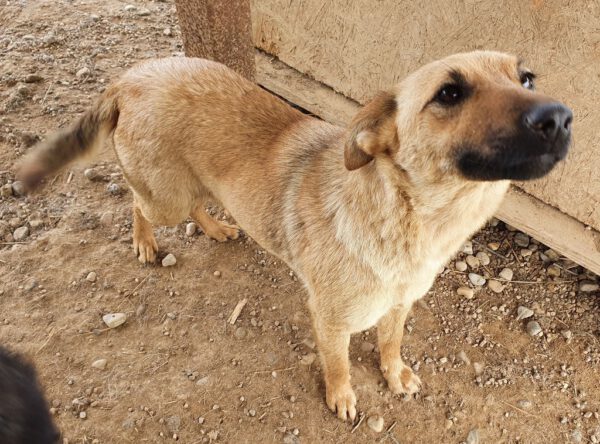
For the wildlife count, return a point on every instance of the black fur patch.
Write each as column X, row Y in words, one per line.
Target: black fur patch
column 24, row 413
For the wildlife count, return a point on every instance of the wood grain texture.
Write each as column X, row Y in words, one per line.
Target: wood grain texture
column 218, row 30
column 536, row 218
column 358, row 47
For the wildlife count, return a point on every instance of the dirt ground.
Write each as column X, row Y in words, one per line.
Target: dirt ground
column 177, row 370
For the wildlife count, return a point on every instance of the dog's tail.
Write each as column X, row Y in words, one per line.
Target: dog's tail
column 63, row 147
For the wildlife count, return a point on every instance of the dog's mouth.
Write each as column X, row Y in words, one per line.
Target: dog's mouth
column 510, row 158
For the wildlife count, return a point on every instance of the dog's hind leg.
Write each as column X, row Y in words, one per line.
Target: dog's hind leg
column 390, row 329
column 144, row 242
column 214, row 229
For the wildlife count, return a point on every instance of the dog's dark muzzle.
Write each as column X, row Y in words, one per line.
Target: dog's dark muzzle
column 540, row 141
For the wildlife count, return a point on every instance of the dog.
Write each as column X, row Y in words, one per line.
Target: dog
column 365, row 215
column 24, row 413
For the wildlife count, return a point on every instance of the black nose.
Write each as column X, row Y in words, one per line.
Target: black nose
column 549, row 121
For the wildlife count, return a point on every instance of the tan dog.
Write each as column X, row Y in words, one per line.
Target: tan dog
column 365, row 215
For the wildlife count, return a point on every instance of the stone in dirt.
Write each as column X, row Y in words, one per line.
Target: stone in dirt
column 477, row 279
column 375, row 423
column 472, row 261
column 91, row 277
column 18, row 188
column 190, row 229
column 100, row 364
column 467, row 292
column 524, row 313
column 169, row 260
column 308, row 359
column 522, row 240
column 483, row 257
column 83, row 72
column 534, row 328
column 506, row 274
column 113, row 320
column 21, row 233
column 495, row 286
column 473, row 437
column 460, row 266
column 588, row 286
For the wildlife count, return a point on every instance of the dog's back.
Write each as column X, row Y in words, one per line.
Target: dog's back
column 24, row 414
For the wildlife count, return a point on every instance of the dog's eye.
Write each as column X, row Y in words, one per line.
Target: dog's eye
column 527, row 80
column 449, row 94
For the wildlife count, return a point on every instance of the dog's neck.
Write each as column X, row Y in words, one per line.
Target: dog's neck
column 438, row 216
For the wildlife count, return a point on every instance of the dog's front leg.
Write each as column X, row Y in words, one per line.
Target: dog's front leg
column 390, row 329
column 332, row 343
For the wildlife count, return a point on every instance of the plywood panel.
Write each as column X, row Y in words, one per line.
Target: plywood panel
column 361, row 46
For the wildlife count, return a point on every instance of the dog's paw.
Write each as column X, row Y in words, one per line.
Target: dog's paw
column 145, row 249
column 403, row 382
column 342, row 400
column 222, row 231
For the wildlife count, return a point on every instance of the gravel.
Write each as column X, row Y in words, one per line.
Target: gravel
column 190, row 229
column 524, row 313
column 99, row 364
column 522, row 240
column 506, row 274
column 375, row 423
column 477, row 279
column 91, row 277
column 495, row 286
column 467, row 292
column 113, row 320
column 473, row 437
column 534, row 328
column 169, row 260
column 473, row 262
column 21, row 233
column 18, row 188
column 588, row 286
column 460, row 266
column 483, row 257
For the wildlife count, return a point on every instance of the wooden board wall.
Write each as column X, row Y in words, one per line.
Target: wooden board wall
column 358, row 47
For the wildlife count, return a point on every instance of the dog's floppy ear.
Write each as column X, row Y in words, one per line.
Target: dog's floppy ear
column 372, row 131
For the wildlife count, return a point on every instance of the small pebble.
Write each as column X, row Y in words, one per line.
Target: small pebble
column 477, row 279
column 524, row 313
column 114, row 189
column 553, row 270
column 522, row 240
column 167, row 32
column 92, row 174
column 83, row 72
column 460, row 266
column 217, row 273
column 524, row 404
column 241, row 332
column 494, row 246
column 367, row 347
column 100, row 364
column 588, row 286
column 308, row 359
column 495, row 286
column 472, row 262
column 169, row 260
column 6, row 190
column 113, row 320
column 143, row 12
column 190, row 229
column 534, row 328
column 567, row 334
column 473, row 437
column 129, row 8
column 483, row 257
column 467, row 247
column 21, row 233
column 506, row 274
column 18, row 188
column 82, row 415
column 375, row 423
column 467, row 292
column 91, row 277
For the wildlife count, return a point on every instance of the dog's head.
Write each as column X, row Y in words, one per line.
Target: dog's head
column 473, row 116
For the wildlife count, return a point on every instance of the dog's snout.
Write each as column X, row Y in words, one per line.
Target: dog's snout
column 549, row 121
